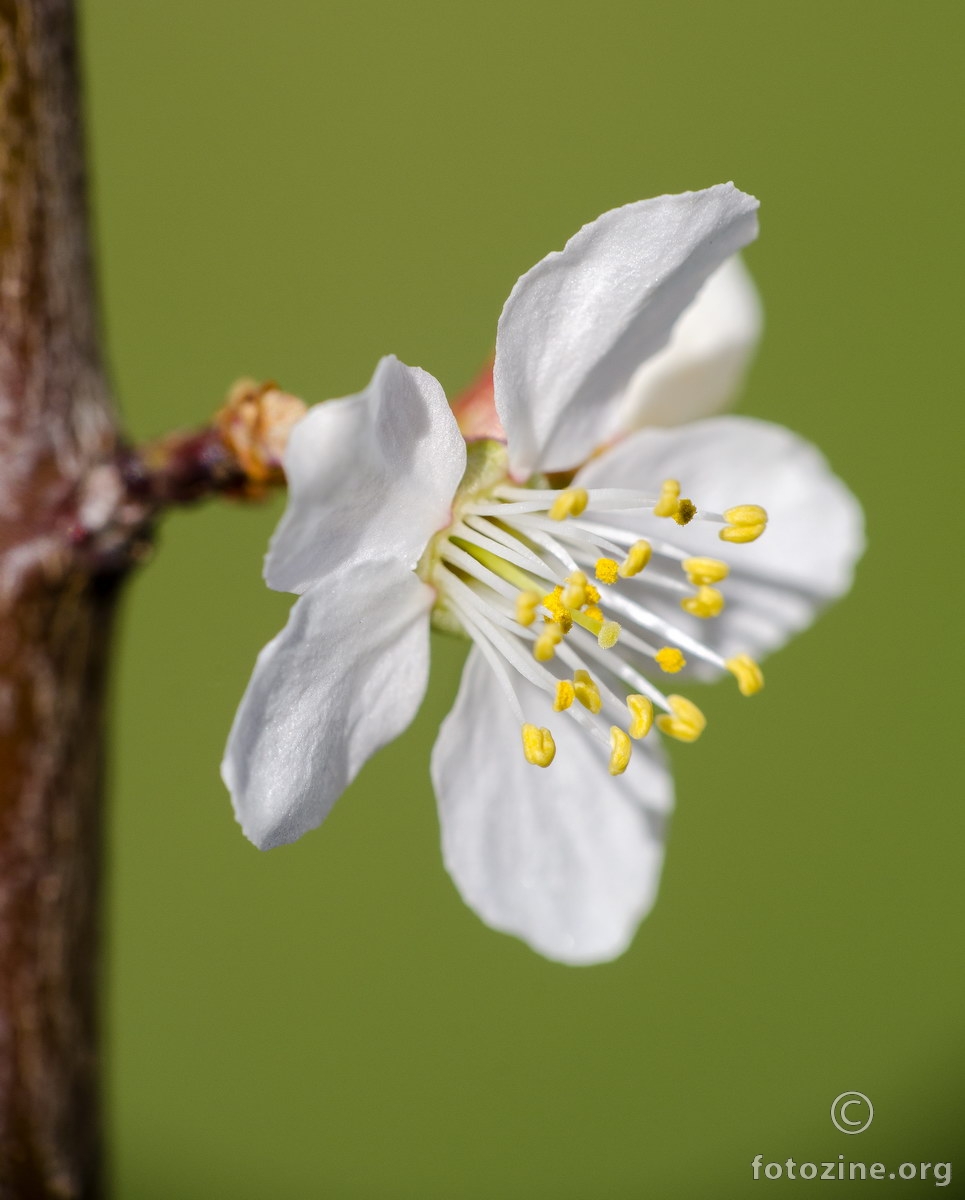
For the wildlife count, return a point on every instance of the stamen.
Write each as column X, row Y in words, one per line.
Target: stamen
column 526, row 557
column 538, row 746
column 492, row 656
column 575, row 660
column 569, row 503
column 539, row 537
column 499, row 549
column 586, row 691
column 707, row 603
column 749, row 676
column 515, row 569
column 745, row 514
column 506, row 644
column 687, row 722
column 612, row 499
column 666, row 506
column 670, row 659
column 526, row 606
column 607, row 570
column 490, row 609
column 626, row 538
column 545, row 645
column 645, row 619
column 619, row 750
column 558, row 611
column 609, row 632
column 745, row 523
column 637, row 558
column 604, row 532
column 641, row 716
column 513, row 501
column 589, row 723
column 571, row 532
column 616, row 666
column 658, row 577
column 574, row 594
column 704, row 571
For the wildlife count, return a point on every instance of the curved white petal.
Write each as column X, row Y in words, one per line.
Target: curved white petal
column 346, row 675
column 370, row 476
column 578, row 325
column 701, row 368
column 568, row 857
column 804, row 559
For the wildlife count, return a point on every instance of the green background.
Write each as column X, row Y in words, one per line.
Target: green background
column 291, row 191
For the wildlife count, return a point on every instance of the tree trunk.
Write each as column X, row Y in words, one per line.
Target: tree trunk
column 55, row 616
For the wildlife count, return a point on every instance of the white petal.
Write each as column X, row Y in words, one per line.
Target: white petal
column 346, row 675
column 370, row 476
column 578, row 325
column 701, row 368
column 567, row 857
column 804, row 559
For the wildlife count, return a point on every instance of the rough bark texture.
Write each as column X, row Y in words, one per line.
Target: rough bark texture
column 55, row 616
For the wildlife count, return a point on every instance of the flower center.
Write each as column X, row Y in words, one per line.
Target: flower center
column 537, row 576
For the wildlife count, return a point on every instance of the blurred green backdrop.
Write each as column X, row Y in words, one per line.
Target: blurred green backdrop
column 292, row 190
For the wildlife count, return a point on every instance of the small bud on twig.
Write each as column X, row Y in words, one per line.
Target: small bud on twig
column 254, row 424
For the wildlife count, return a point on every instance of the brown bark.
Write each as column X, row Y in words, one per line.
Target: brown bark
column 77, row 509
column 55, row 617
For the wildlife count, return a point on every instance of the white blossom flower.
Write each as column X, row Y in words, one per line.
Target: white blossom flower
column 580, row 574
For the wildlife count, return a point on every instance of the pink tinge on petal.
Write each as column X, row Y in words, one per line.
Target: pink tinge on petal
column 475, row 409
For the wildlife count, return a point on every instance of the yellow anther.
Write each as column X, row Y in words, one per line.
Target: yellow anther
column 569, row 503
column 565, row 695
column 607, row 570
column 526, row 606
column 686, row 723
column 594, row 613
column 703, row 571
column 586, row 691
column 538, row 746
column 607, row 637
column 592, row 594
column 739, row 534
column 686, row 511
column 637, row 558
column 558, row 612
column 574, row 594
column 745, row 523
column 666, row 506
column 619, row 750
column 749, row 676
column 707, row 603
column 545, row 645
column 670, row 659
column 745, row 514
column 553, row 601
column 641, row 716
